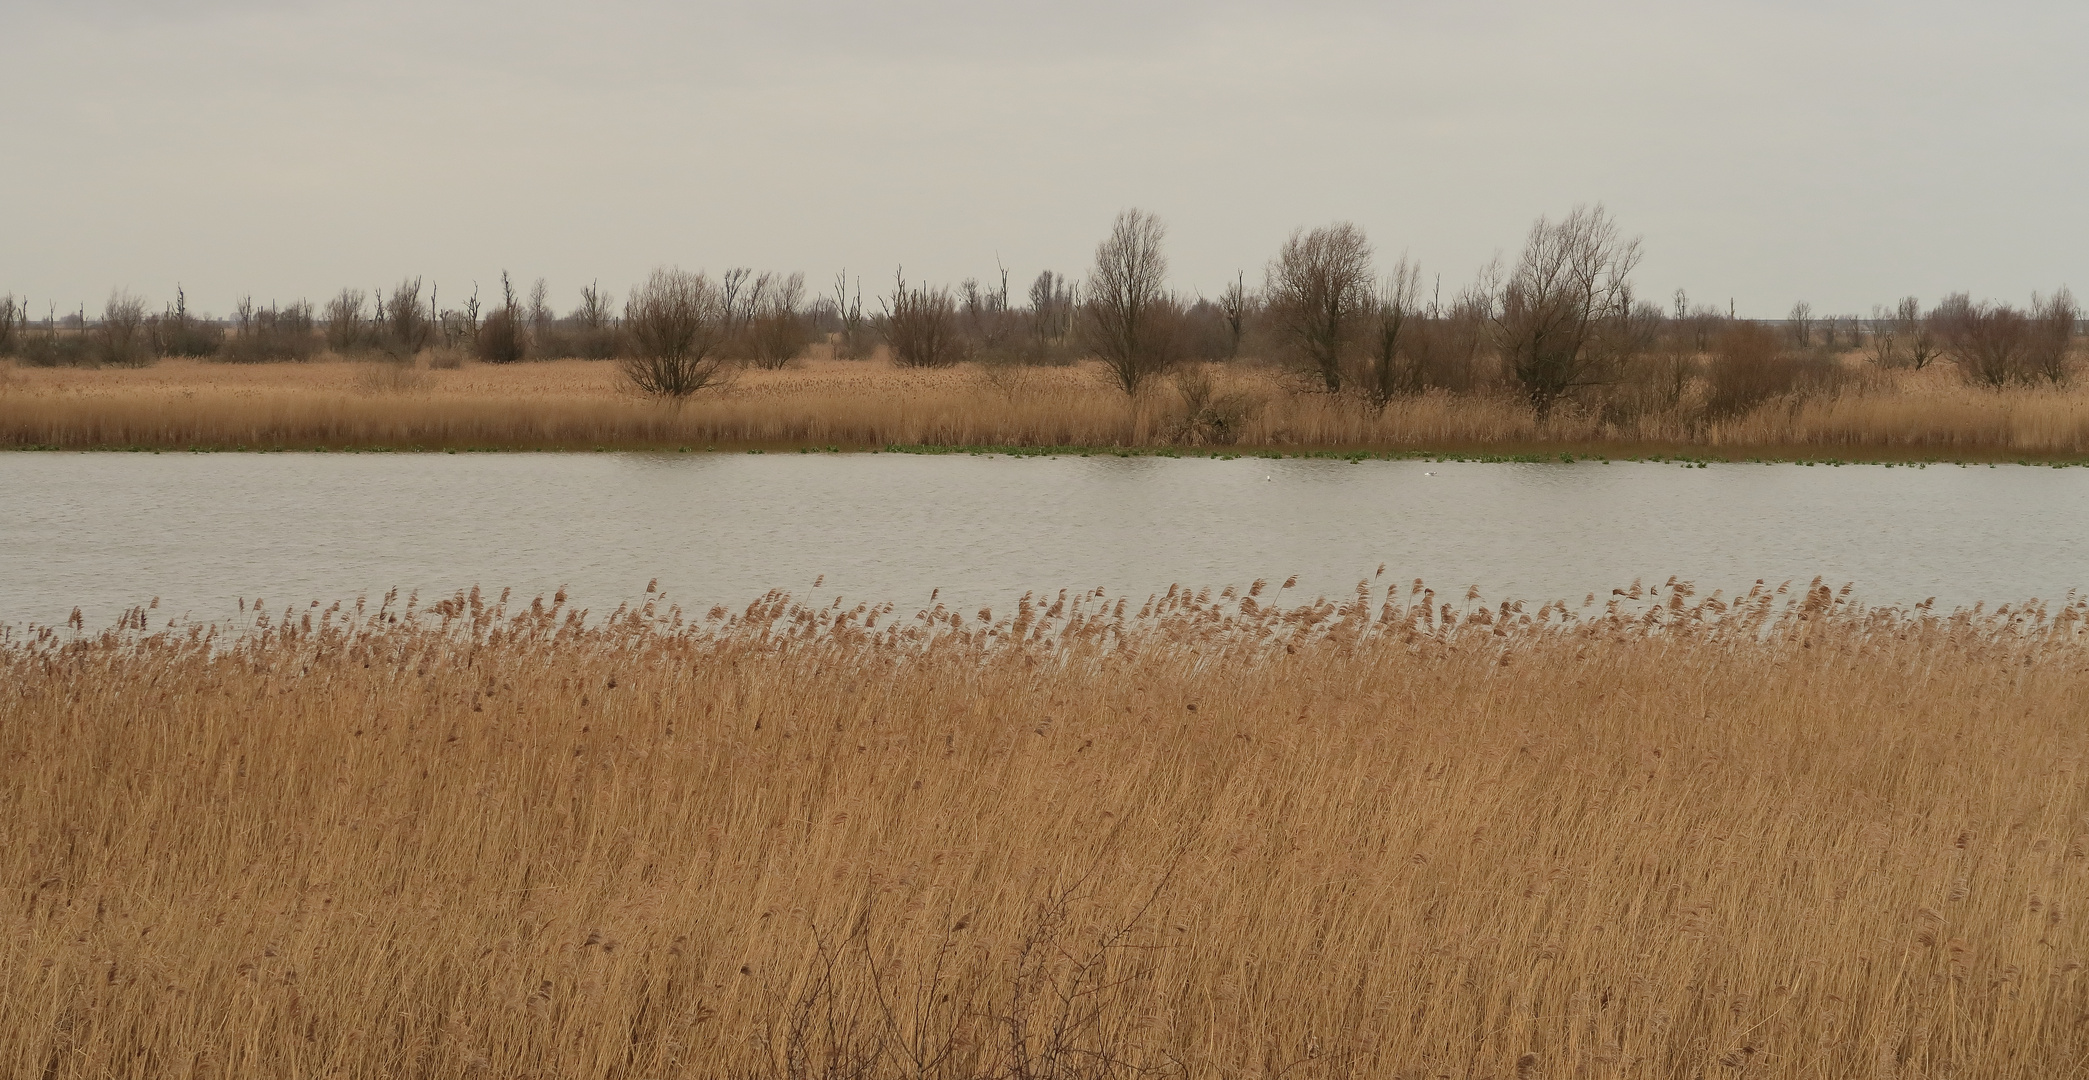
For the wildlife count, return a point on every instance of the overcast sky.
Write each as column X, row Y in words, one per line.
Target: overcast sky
column 1843, row 153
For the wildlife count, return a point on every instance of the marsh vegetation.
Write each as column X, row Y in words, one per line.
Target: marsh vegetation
column 1396, row 834
column 1552, row 348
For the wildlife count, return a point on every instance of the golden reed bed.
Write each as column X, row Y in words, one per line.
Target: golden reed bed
column 578, row 405
column 1774, row 837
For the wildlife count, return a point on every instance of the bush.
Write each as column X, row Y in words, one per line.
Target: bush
column 407, row 327
column 264, row 335
column 177, row 333
column 1991, row 343
column 504, row 337
column 674, row 331
column 1750, row 366
column 347, row 331
column 123, row 339
column 920, row 325
column 594, row 335
column 53, row 348
column 776, row 331
column 14, row 322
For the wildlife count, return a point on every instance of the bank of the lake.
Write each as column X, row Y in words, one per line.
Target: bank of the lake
column 578, row 406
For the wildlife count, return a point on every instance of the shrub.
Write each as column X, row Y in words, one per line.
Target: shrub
column 776, row 331
column 177, row 333
column 347, row 331
column 1991, row 343
column 262, row 335
column 674, row 330
column 2052, row 336
column 594, row 328
column 123, row 339
column 503, row 338
column 13, row 324
column 55, row 348
column 920, row 326
column 407, row 326
column 1750, row 366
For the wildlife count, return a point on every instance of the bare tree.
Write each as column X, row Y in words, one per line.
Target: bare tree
column 346, row 330
column 1565, row 314
column 1991, row 343
column 674, row 324
column 1392, row 371
column 849, row 309
column 920, row 325
column 407, row 325
column 504, row 338
column 1051, row 313
column 122, row 340
column 1916, row 332
column 776, row 328
column 1884, row 348
column 594, row 310
column 2052, row 335
column 1131, row 319
column 1319, row 294
column 1235, row 304
column 1799, row 324
column 13, row 320
column 540, row 316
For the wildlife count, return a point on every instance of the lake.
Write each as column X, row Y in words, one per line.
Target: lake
column 202, row 531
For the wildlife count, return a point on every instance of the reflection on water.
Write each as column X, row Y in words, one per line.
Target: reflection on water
column 104, row 531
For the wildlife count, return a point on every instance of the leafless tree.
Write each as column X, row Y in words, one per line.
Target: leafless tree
column 1916, row 332
column 849, row 309
column 1885, row 349
column 407, row 324
column 674, row 324
column 1391, row 370
column 1236, row 304
column 1319, row 295
column 178, row 333
column 2052, row 335
column 122, row 339
column 13, row 323
column 594, row 310
column 919, row 324
column 1991, row 343
column 1131, row 320
column 504, row 338
column 1051, row 313
column 346, row 330
column 1799, row 324
column 775, row 328
column 989, row 322
column 1565, row 315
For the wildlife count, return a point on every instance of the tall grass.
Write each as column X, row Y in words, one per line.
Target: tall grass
column 579, row 405
column 1772, row 835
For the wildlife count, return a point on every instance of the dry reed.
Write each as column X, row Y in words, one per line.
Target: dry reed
column 1771, row 836
column 855, row 404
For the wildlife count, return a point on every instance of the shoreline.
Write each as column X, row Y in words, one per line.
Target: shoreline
column 338, row 405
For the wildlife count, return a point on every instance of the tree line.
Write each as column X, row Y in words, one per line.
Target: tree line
column 1560, row 323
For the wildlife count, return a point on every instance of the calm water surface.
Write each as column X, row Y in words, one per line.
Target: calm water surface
column 104, row 531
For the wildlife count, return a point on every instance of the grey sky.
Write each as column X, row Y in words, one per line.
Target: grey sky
column 1843, row 153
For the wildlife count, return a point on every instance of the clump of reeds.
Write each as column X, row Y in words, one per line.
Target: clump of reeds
column 1395, row 833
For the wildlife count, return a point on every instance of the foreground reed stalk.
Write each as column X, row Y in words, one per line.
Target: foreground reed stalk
column 579, row 405
column 1777, row 836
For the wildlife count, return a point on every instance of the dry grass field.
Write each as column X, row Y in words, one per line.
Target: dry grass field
column 580, row 405
column 1763, row 836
